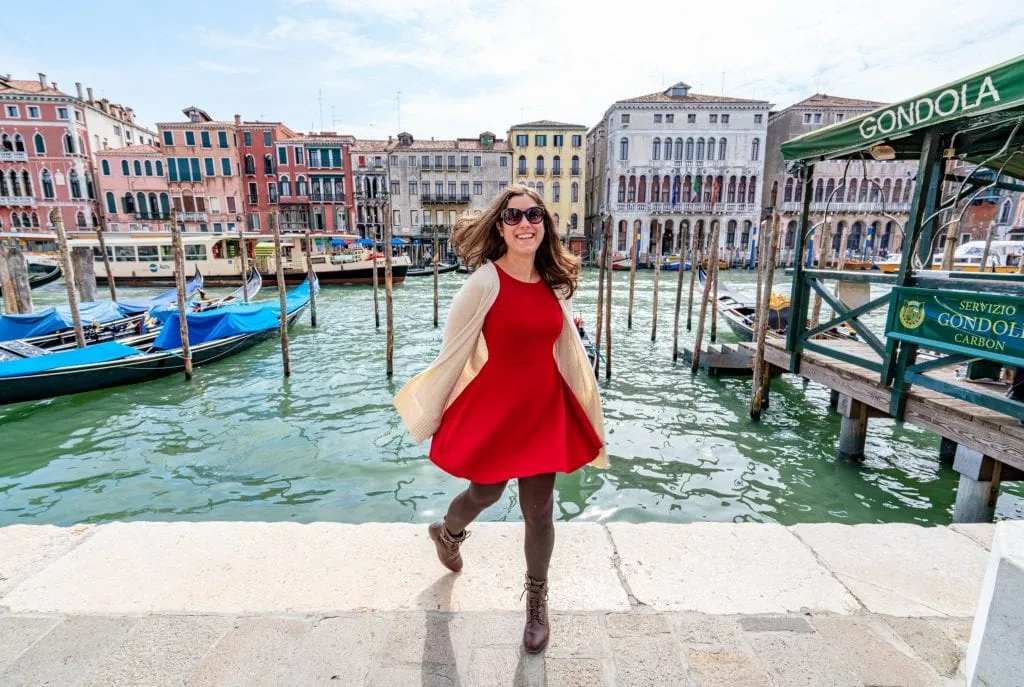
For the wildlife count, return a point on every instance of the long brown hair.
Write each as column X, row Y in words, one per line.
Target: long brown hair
column 477, row 239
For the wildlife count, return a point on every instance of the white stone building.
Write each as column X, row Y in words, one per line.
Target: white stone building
column 111, row 125
column 678, row 160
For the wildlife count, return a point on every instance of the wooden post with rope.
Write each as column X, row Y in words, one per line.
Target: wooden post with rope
column 106, row 264
column 684, row 241
column 69, row 275
column 988, row 247
column 705, row 296
column 633, row 255
column 179, row 287
column 388, row 300
column 657, row 280
column 695, row 260
column 599, row 320
column 608, row 307
column 311, row 275
column 281, row 297
column 244, row 255
column 761, row 370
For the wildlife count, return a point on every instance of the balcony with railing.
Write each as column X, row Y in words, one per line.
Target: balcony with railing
column 522, row 172
column 192, row 217
column 321, row 197
column 146, row 215
column 556, row 171
column 689, row 208
column 13, row 156
column 575, row 171
column 444, row 198
column 17, row 201
column 868, row 206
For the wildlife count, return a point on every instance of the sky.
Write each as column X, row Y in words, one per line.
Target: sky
column 456, row 68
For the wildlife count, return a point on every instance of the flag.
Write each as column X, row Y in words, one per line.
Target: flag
column 714, row 192
column 695, row 189
column 675, row 195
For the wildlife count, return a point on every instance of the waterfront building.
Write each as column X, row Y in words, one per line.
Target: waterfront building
column 316, row 182
column 44, row 158
column 369, row 159
column 858, row 195
column 433, row 182
column 676, row 160
column 203, row 172
column 134, row 195
column 550, row 157
column 267, row 166
column 111, row 125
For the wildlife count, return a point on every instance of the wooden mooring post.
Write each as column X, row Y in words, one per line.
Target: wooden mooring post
column 69, row 274
column 608, row 308
column 437, row 259
column 698, row 252
column 705, row 297
column 988, row 247
column 85, row 273
column 657, row 279
column 311, row 276
column 106, row 264
column 388, row 299
column 822, row 256
column 14, row 280
column 761, row 381
column 376, row 302
column 683, row 251
column 179, row 287
column 599, row 320
column 244, row 255
column 633, row 255
column 282, row 298
column 713, row 283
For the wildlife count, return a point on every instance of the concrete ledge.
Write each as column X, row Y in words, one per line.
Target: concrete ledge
column 26, row 548
column 994, row 656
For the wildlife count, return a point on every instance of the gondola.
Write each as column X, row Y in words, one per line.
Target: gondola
column 588, row 345
column 40, row 275
column 213, row 335
column 428, row 270
column 740, row 316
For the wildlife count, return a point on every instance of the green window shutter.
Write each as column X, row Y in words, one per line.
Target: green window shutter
column 282, row 155
column 172, row 169
column 225, row 166
column 168, row 138
column 183, row 171
column 210, row 169
column 204, row 136
column 222, row 139
column 196, row 175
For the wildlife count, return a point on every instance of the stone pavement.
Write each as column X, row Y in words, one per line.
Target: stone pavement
column 655, row 604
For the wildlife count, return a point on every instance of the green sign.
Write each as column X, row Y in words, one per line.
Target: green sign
column 994, row 89
column 980, row 325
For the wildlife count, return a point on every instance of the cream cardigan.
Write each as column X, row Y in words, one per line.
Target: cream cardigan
column 424, row 398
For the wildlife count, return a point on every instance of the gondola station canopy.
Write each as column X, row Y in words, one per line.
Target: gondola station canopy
column 984, row 109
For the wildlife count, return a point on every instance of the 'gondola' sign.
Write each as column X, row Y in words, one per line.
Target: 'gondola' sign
column 976, row 324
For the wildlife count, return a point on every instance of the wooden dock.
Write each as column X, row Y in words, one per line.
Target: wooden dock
column 986, row 431
column 724, row 360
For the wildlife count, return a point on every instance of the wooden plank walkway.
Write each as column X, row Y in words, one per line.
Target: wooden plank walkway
column 988, row 431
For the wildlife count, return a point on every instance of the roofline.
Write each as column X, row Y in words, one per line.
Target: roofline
column 520, row 127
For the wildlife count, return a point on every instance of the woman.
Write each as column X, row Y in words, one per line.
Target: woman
column 512, row 394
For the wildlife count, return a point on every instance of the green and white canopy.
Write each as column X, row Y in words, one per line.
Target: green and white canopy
column 983, row 107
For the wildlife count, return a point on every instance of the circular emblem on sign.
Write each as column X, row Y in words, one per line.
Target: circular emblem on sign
column 153, row 267
column 912, row 314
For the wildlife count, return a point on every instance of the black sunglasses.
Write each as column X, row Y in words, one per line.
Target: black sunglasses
column 513, row 216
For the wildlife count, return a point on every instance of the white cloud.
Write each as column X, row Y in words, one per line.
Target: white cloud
column 222, row 68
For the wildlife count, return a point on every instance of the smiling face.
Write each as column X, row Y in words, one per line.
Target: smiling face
column 523, row 238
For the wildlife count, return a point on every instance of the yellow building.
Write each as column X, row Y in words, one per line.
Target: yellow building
column 551, row 157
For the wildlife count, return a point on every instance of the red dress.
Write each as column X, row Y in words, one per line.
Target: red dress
column 518, row 417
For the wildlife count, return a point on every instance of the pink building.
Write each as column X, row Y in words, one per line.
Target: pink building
column 134, row 192
column 44, row 158
column 203, row 173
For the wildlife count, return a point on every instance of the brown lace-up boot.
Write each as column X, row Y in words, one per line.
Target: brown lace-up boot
column 447, row 545
column 535, row 634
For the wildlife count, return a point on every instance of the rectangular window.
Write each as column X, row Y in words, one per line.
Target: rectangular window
column 168, row 138
column 657, row 119
column 439, row 162
column 298, row 155
column 414, row 188
column 559, row 140
column 272, row 191
column 222, row 139
column 439, row 188
column 807, row 117
column 540, row 140
column 196, row 175
column 215, row 205
column 172, row 170
column 464, row 162
column 451, row 189
column 335, row 157
column 394, row 159
column 396, row 221
column 451, row 162
column 425, row 162
column 266, row 139
column 477, row 160
column 758, row 118
column 426, row 216
column 190, row 138
column 231, row 227
column 396, row 188
column 204, row 138
column 33, row 112
column 504, row 161
column 478, row 188
column 691, row 119
column 218, row 228
column 713, row 119
column 522, row 140
column 247, row 138
column 725, row 119
column 670, row 118
column 124, row 253
column 282, row 155
column 839, row 116
column 211, row 171
column 314, row 158
column 62, row 113
column 253, row 193
column 148, row 253
column 817, row 118
column 412, row 160
column 13, row 112
column 624, row 119
column 78, row 115
column 502, row 185
column 464, row 189
column 195, row 251
column 415, row 216
column 183, row 169
column 231, row 207
column 254, row 221
column 377, row 161
column 225, row 166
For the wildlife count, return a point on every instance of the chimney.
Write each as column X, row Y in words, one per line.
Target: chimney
column 238, row 120
column 89, row 91
column 78, row 89
column 54, row 84
column 42, row 80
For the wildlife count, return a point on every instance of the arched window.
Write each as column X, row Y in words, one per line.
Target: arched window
column 125, row 169
column 886, row 190
column 69, row 144
column 159, row 168
column 700, row 148
column 80, row 219
column 906, row 191
column 851, row 193
column 40, row 144
column 743, row 189
column 837, row 240
column 897, row 191
column 721, row 149
column 574, row 220
column 5, row 143
column 745, row 236
column 540, row 164
column 19, row 143
column 819, row 191
column 556, row 164
column 3, row 185
column 622, row 189
column 631, row 194
column 47, row 184
column 286, row 186
column 300, row 186
column 574, row 193
column 111, row 203
column 15, row 186
column 709, row 188
column 689, row 149
column 89, row 190
column 81, row 146
column 730, row 234
column 711, row 149
column 557, row 220
column 641, row 195
column 154, row 206
column 250, row 165
column 863, row 197
column 128, row 204
column 268, row 164
column 149, row 168
column 522, row 164
column 755, row 149
column 624, row 149
column 787, row 194
column 679, row 149
column 752, row 190
column 874, row 191
column 731, row 195
column 830, row 188
column 556, row 192
column 75, row 183
column 1005, row 212
column 137, row 166
column 95, row 219
column 105, row 166
column 853, row 243
column 141, row 204
column 540, row 189
column 15, row 220
column 574, row 166
column 665, row 187
column 656, row 149
column 35, row 219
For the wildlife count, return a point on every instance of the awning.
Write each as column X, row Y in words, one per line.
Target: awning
column 984, row 106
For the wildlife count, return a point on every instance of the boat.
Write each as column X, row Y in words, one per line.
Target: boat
column 213, row 335
column 40, row 275
column 428, row 270
column 1004, row 257
column 740, row 317
column 588, row 345
column 148, row 259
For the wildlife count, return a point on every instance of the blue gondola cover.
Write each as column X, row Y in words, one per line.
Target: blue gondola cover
column 98, row 353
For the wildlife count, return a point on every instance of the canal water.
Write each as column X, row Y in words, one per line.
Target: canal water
column 243, row 443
